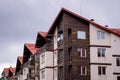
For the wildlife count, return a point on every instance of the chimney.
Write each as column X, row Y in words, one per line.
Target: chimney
column 92, row 20
column 106, row 26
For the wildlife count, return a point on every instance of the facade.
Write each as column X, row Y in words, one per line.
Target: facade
column 29, row 61
column 5, row 74
column 11, row 73
column 18, row 73
column 82, row 50
column 74, row 48
column 8, row 74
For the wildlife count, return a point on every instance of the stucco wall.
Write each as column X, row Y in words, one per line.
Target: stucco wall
column 93, row 37
column 48, row 59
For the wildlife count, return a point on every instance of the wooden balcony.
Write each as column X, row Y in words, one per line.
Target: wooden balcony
column 29, row 64
column 60, row 57
column 47, row 47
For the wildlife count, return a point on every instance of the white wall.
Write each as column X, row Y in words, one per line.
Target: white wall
column 55, row 39
column 94, row 55
column 115, row 42
column 48, row 59
column 95, row 76
column 93, row 37
column 55, row 58
column 25, row 72
column 55, row 73
column 48, row 74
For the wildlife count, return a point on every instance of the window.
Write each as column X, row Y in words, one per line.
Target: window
column 81, row 34
column 82, row 70
column 81, row 52
column 118, row 77
column 101, row 70
column 118, row 61
column 100, row 35
column 101, row 52
column 43, row 74
column 42, row 58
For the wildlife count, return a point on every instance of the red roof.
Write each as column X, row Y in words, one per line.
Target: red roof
column 20, row 58
column 43, row 34
column 117, row 31
column 6, row 70
column 12, row 70
column 31, row 48
column 63, row 10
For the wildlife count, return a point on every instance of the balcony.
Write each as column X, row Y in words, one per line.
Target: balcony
column 47, row 47
column 60, row 43
column 19, row 72
column 30, row 76
column 60, row 74
column 29, row 63
column 60, row 57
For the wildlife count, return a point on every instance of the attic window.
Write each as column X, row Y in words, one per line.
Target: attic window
column 100, row 35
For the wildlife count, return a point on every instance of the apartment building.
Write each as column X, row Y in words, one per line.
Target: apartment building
column 40, row 41
column 80, row 49
column 74, row 48
column 29, row 61
column 8, row 74
column 11, row 73
column 5, row 74
column 18, row 72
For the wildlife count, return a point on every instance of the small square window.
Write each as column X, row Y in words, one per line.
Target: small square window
column 81, row 34
column 118, row 61
column 100, row 35
column 101, row 52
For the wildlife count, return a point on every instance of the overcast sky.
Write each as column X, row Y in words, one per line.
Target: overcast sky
column 20, row 20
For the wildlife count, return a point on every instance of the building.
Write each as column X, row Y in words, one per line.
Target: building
column 18, row 72
column 5, row 74
column 74, row 48
column 11, row 73
column 29, row 61
column 40, row 41
column 79, row 49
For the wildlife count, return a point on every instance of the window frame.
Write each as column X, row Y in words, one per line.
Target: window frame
column 100, row 35
column 101, row 70
column 117, row 61
column 81, row 34
column 81, row 52
column 85, row 70
column 101, row 52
